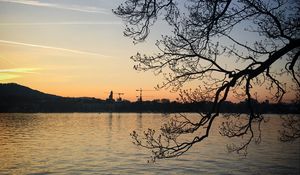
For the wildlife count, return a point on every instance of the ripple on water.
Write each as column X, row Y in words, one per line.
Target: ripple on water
column 100, row 144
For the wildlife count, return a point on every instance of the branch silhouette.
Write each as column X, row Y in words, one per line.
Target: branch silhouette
column 205, row 33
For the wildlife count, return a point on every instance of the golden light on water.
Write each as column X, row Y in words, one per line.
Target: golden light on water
column 100, row 143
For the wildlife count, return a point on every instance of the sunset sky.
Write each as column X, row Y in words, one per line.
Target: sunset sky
column 71, row 48
column 74, row 48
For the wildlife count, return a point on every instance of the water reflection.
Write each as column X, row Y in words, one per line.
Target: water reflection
column 100, row 144
column 110, row 116
column 139, row 123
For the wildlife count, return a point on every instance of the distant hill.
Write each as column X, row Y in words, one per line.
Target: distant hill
column 18, row 98
column 16, row 90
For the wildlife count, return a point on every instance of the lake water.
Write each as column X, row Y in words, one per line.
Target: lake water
column 90, row 143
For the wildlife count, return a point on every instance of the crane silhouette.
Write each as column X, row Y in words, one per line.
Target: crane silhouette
column 119, row 96
column 140, row 97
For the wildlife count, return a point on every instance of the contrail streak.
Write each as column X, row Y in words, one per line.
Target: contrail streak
column 19, row 70
column 54, row 48
column 87, row 9
column 63, row 23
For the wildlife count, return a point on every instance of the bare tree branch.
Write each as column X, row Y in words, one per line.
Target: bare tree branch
column 205, row 34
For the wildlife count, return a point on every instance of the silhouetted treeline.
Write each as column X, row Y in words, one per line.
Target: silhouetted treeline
column 17, row 98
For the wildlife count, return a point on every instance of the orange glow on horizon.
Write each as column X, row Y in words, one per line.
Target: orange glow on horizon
column 86, row 58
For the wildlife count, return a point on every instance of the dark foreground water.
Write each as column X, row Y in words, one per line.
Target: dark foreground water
column 100, row 144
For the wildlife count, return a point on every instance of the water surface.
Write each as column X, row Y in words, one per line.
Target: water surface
column 91, row 143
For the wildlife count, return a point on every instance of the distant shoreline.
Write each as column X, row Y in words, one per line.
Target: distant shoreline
column 168, row 113
column 16, row 98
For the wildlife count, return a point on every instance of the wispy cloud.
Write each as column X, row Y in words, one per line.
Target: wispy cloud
column 54, row 48
column 8, row 74
column 19, row 70
column 63, row 23
column 88, row 9
column 4, row 77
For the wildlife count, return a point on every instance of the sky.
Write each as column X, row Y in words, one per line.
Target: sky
column 72, row 48
column 76, row 48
